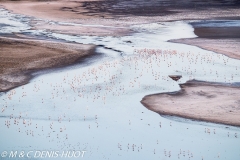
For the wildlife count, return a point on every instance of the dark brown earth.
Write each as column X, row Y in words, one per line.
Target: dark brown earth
column 21, row 57
column 153, row 7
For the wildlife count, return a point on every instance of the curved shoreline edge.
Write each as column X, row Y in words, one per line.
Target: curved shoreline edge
column 18, row 65
column 221, row 40
column 228, row 47
column 198, row 100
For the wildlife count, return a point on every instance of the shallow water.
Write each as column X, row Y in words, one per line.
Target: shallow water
column 216, row 23
column 96, row 107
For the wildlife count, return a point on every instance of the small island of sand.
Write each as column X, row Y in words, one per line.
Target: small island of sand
column 205, row 101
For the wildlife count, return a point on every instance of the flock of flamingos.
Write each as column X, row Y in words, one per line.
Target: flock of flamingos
column 98, row 84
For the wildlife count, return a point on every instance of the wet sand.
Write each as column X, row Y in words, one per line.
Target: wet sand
column 21, row 57
column 204, row 101
column 83, row 30
column 217, row 32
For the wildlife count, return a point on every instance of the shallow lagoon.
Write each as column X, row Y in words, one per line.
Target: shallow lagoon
column 96, row 106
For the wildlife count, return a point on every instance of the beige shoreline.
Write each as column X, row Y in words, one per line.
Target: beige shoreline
column 227, row 46
column 21, row 57
column 204, row 101
column 53, row 11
